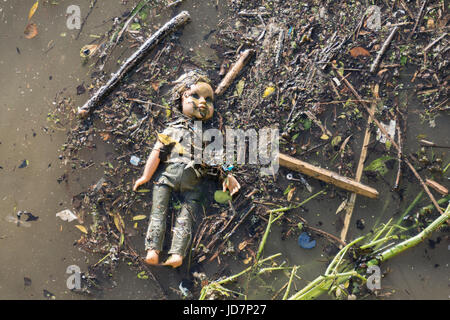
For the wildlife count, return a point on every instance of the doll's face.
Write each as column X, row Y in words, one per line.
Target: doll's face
column 197, row 102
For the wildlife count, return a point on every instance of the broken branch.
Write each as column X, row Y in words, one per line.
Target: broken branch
column 383, row 49
column 148, row 45
column 234, row 71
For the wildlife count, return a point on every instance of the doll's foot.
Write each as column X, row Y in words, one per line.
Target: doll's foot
column 152, row 257
column 174, row 261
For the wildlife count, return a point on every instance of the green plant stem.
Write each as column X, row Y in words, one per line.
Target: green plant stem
column 341, row 253
column 294, row 271
column 322, row 284
column 410, row 207
column 411, row 242
column 382, row 230
column 379, row 241
column 218, row 284
column 298, row 205
column 431, row 206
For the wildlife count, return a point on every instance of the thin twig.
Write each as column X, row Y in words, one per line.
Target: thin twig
column 84, row 21
column 383, row 49
column 433, row 43
column 419, row 17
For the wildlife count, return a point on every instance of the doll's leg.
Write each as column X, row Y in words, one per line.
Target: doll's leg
column 182, row 232
column 157, row 225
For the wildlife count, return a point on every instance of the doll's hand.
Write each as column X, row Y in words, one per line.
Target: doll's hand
column 138, row 183
column 231, row 184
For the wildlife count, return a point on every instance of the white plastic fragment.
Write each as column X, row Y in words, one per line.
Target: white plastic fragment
column 390, row 129
column 67, row 215
column 336, row 80
column 99, row 184
column 373, row 14
column 135, row 160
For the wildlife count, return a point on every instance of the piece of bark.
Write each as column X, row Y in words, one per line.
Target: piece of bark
column 327, row 176
column 234, row 71
column 135, row 58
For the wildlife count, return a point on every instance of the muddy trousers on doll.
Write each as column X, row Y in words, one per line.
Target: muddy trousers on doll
column 174, row 177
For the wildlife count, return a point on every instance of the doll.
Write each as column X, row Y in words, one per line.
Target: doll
column 195, row 96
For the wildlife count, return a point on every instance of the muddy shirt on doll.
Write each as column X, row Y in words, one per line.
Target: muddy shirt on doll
column 178, row 173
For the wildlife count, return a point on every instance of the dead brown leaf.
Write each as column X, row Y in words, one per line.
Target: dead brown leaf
column 155, row 86
column 290, row 194
column 242, row 245
column 359, row 51
column 381, row 72
column 105, row 135
column 31, row 30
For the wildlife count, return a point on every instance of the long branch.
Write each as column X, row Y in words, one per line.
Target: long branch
column 137, row 56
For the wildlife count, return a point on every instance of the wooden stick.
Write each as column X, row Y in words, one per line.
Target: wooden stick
column 419, row 17
column 433, row 43
column 383, row 130
column 327, row 176
column 383, row 49
column 399, row 152
column 148, row 45
column 359, row 170
column 234, row 71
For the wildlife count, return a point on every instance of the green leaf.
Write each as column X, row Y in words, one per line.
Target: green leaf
column 135, row 26
column 122, row 239
column 287, row 189
column 306, row 123
column 222, row 197
column 335, row 141
column 240, row 87
column 403, row 60
column 142, row 275
column 379, row 165
column 139, row 217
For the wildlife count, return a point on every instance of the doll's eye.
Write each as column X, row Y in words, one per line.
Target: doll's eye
column 195, row 96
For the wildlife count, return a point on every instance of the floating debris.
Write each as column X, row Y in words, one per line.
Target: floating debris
column 390, row 129
column 26, row 281
column 135, row 160
column 67, row 215
column 48, row 295
column 24, row 164
column 16, row 220
column 304, row 241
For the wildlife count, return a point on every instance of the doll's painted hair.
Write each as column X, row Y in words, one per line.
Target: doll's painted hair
column 184, row 82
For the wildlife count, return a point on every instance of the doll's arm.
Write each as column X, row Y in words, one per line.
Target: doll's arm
column 150, row 167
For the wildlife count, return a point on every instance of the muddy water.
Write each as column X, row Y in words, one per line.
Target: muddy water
column 33, row 72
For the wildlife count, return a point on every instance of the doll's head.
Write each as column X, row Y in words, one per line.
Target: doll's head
column 195, row 95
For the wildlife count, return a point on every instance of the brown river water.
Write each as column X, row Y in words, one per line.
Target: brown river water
column 34, row 71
